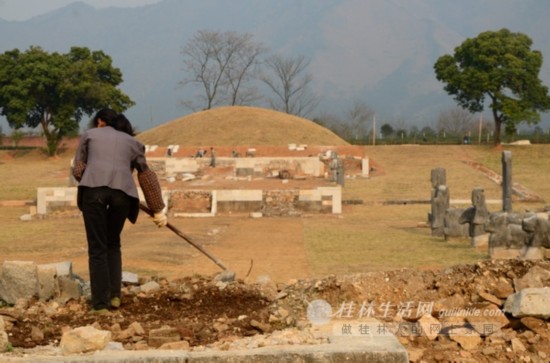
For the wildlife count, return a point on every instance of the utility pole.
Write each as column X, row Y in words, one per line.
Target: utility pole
column 480, row 128
column 373, row 130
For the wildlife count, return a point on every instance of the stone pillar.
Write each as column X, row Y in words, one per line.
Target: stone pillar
column 507, row 181
column 439, row 201
column 340, row 172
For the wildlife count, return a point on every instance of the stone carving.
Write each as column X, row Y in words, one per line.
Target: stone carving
column 538, row 226
column 337, row 169
column 453, row 227
column 507, row 239
column 476, row 216
column 439, row 201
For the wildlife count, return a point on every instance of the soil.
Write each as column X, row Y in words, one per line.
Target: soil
column 207, row 313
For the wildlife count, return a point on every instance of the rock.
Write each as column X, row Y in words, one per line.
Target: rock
column 163, row 335
column 489, row 351
column 529, row 302
column 517, row 346
column 134, row 329
column 489, row 320
column 149, row 287
column 430, row 326
column 4, row 342
column 467, row 338
column 264, row 328
column 283, row 313
column 502, row 289
column 490, row 298
column 137, row 328
column 84, row 339
column 225, row 276
column 448, row 304
column 26, row 217
column 415, row 354
column 535, row 277
column 536, row 325
column 37, row 335
column 129, row 278
column 220, row 327
column 114, row 346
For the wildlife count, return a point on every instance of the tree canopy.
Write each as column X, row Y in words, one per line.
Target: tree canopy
column 56, row 90
column 498, row 67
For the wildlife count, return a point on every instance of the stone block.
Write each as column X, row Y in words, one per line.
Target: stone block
column 18, row 280
column 533, row 302
column 46, row 275
column 64, row 268
column 69, row 288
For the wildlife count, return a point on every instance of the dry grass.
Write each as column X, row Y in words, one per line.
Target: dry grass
column 24, row 171
column 365, row 237
column 240, row 126
column 381, row 237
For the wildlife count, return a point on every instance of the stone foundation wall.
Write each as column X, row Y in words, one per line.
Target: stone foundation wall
column 209, row 203
column 257, row 166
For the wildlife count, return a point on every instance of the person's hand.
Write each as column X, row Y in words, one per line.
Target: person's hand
column 160, row 219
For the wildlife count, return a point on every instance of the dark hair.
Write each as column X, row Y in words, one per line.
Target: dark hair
column 106, row 114
column 121, row 123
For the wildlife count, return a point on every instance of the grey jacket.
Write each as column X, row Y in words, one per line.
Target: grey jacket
column 107, row 157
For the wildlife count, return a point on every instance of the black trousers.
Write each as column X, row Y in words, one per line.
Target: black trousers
column 105, row 210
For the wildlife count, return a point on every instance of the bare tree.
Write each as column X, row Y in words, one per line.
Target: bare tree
column 359, row 117
column 220, row 64
column 455, row 121
column 290, row 84
column 335, row 124
column 240, row 72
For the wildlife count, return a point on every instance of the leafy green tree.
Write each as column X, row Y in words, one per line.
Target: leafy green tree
column 55, row 91
column 387, row 130
column 501, row 67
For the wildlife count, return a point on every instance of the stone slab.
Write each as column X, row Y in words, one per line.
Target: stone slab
column 379, row 349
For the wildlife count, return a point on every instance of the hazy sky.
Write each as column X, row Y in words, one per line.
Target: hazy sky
column 26, row 9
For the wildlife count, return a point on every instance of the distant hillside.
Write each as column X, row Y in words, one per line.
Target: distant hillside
column 240, row 126
column 381, row 52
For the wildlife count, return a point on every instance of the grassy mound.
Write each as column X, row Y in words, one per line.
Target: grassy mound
column 240, row 126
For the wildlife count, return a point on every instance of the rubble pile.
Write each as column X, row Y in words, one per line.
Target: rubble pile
column 494, row 310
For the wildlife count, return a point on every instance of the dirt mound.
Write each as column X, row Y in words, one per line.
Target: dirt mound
column 206, row 313
column 240, row 125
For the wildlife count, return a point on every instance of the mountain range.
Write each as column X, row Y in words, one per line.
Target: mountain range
column 380, row 52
